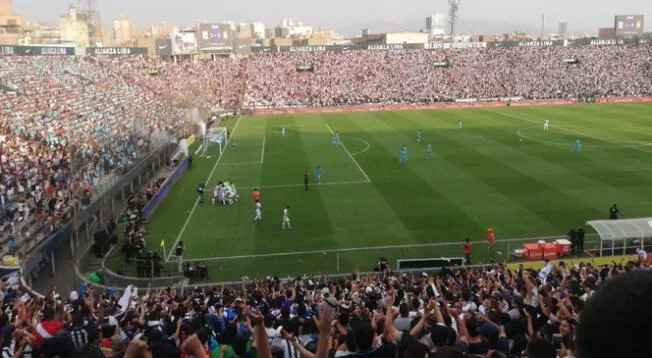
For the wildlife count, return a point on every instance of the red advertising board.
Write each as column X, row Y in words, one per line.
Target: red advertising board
column 624, row 100
column 545, row 102
column 415, row 107
column 376, row 108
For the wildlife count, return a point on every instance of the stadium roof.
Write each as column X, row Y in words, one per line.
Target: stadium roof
column 613, row 230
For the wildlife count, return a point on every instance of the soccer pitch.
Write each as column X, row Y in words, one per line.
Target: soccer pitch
column 502, row 170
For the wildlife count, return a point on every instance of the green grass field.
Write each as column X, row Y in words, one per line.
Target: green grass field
column 502, row 171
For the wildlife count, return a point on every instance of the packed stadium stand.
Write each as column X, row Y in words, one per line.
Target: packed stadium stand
column 70, row 124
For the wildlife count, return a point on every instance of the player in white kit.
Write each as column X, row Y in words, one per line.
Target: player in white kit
column 259, row 213
column 286, row 219
column 546, row 125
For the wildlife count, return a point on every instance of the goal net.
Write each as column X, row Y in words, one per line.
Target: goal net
column 215, row 138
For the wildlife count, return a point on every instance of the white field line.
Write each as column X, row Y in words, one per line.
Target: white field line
column 277, row 254
column 262, row 152
column 351, row 156
column 573, row 132
column 194, row 207
column 361, row 141
column 240, row 164
column 302, row 185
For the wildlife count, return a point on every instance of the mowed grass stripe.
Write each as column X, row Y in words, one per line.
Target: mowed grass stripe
column 617, row 177
column 607, row 155
column 466, row 188
column 172, row 212
column 287, row 158
column 360, row 214
column 588, row 122
column 619, row 174
column 603, row 164
column 601, row 124
column 212, row 228
column 472, row 188
column 638, row 117
column 530, row 192
column 564, row 179
column 423, row 209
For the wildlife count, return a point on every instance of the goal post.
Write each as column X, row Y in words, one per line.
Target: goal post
column 218, row 137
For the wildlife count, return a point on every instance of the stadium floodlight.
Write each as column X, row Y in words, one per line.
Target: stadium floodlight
column 454, row 7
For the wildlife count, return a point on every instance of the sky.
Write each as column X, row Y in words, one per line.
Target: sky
column 581, row 15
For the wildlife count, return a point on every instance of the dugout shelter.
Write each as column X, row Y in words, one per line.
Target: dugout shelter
column 621, row 230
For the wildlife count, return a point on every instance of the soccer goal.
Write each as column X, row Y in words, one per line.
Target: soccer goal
column 218, row 137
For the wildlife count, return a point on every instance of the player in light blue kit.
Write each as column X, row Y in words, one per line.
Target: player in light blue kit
column 429, row 151
column 578, row 145
column 318, row 173
column 419, row 135
column 403, row 157
column 336, row 139
column 459, row 125
column 283, row 132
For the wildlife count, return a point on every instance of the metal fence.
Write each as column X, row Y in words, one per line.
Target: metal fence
column 140, row 272
column 331, row 261
column 42, row 255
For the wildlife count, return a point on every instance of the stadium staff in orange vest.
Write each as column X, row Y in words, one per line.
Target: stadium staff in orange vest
column 468, row 245
column 491, row 242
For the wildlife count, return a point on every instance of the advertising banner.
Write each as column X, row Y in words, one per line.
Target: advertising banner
column 36, row 51
column 116, row 51
column 184, row 43
column 453, row 45
column 163, row 47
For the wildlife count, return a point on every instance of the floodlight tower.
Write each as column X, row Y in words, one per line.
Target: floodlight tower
column 454, row 6
column 89, row 8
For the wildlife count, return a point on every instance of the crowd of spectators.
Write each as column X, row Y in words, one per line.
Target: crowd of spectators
column 68, row 127
column 428, row 76
column 583, row 311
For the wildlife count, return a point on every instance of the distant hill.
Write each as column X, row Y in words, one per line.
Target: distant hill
column 463, row 26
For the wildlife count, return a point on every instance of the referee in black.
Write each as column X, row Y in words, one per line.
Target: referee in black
column 305, row 179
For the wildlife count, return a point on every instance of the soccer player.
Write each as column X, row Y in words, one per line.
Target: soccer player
column 403, row 157
column 286, row 219
column 419, row 135
column 546, row 125
column 200, row 192
column 216, row 194
column 578, row 145
column 283, row 134
column 459, row 125
column 305, row 179
column 318, row 173
column 256, row 195
column 336, row 139
column 232, row 143
column 429, row 150
column 259, row 213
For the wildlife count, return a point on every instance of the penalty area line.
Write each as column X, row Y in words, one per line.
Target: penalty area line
column 302, row 185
